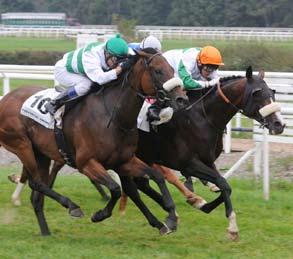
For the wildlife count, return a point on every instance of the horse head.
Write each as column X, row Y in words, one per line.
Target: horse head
column 258, row 103
column 156, row 79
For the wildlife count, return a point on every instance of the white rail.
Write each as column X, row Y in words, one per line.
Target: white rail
column 163, row 32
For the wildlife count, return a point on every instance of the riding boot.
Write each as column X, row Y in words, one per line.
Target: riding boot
column 153, row 113
column 64, row 97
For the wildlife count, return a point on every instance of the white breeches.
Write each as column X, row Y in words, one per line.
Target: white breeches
column 80, row 82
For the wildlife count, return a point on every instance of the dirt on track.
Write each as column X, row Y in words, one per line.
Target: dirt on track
column 281, row 160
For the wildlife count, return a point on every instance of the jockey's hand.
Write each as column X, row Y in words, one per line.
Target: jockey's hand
column 214, row 81
column 203, row 83
column 118, row 70
column 125, row 65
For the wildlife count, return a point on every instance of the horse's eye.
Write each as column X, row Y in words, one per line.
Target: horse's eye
column 158, row 72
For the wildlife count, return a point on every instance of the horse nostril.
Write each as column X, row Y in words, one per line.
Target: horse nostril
column 279, row 127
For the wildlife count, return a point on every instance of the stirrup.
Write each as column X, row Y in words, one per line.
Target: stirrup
column 50, row 108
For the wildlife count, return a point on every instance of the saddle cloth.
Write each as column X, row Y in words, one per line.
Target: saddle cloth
column 34, row 109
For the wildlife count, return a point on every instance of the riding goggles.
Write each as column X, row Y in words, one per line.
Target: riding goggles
column 209, row 68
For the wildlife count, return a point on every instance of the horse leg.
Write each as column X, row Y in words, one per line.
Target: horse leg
column 30, row 162
column 200, row 170
column 20, row 184
column 56, row 167
column 37, row 198
column 193, row 199
column 130, row 189
column 98, row 175
column 137, row 168
column 101, row 190
column 123, row 203
column 189, row 184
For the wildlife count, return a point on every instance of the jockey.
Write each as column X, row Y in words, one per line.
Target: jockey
column 148, row 42
column 96, row 62
column 196, row 67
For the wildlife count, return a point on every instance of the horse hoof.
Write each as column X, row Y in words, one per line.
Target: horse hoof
column 214, row 188
column 76, row 213
column 99, row 216
column 233, row 236
column 196, row 202
column 16, row 202
column 165, row 230
column 14, row 178
column 205, row 208
column 171, row 224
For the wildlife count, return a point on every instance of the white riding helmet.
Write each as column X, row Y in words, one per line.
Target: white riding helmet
column 151, row 42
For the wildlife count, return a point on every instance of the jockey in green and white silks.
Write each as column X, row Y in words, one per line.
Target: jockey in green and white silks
column 196, row 67
column 96, row 62
column 190, row 65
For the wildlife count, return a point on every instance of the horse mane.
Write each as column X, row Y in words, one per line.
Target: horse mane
column 225, row 80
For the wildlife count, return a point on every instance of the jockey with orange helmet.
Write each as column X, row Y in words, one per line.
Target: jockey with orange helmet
column 196, row 67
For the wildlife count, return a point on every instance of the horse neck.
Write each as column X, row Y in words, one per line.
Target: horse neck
column 129, row 104
column 217, row 110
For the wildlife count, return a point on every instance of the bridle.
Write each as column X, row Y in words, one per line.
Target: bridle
column 161, row 94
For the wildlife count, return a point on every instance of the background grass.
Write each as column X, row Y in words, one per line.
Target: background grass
column 265, row 227
column 36, row 44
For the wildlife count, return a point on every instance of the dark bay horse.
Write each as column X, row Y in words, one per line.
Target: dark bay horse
column 101, row 134
column 193, row 140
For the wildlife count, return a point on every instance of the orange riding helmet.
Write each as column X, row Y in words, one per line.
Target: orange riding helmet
column 210, row 55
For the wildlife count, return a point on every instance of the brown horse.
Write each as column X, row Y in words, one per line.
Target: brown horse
column 101, row 134
column 193, row 140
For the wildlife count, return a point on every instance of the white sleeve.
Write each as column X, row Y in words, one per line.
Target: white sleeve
column 93, row 69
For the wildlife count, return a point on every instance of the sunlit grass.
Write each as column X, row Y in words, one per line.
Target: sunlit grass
column 265, row 227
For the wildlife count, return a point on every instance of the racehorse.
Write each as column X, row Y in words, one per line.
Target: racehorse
column 100, row 133
column 193, row 140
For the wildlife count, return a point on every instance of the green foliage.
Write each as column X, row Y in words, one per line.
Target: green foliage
column 125, row 27
column 265, row 13
column 265, row 227
column 30, row 57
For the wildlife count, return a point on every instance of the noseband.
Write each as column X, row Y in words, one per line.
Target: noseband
column 161, row 94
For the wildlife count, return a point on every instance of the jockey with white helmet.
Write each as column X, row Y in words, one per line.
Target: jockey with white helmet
column 96, row 62
column 148, row 42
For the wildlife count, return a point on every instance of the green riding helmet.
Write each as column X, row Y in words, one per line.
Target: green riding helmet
column 117, row 47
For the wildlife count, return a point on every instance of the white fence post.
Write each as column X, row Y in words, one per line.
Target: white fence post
column 266, row 170
column 6, row 85
column 238, row 121
column 257, row 160
column 227, row 141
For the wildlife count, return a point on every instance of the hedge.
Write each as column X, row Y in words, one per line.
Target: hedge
column 30, row 57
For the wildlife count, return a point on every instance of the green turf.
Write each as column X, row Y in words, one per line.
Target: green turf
column 36, row 44
column 265, row 227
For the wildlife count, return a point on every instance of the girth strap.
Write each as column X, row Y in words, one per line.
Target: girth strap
column 63, row 147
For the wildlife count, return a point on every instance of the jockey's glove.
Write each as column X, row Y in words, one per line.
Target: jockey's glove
column 214, row 81
column 125, row 65
column 210, row 83
column 203, row 83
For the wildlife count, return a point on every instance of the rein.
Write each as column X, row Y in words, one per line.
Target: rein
column 138, row 91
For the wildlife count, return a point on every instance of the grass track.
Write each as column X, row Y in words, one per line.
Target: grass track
column 265, row 227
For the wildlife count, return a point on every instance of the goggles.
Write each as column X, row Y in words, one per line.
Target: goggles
column 210, row 68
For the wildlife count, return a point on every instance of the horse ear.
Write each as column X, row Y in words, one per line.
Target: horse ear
column 261, row 74
column 249, row 72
